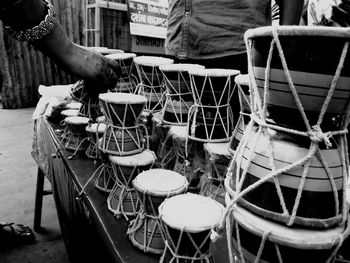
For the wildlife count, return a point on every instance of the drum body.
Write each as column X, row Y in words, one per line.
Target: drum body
column 74, row 135
column 95, row 131
column 314, row 191
column 211, row 117
column 255, row 239
column 153, row 186
column 187, row 220
column 123, row 198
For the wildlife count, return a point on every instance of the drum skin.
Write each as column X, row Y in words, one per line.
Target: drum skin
column 312, row 60
column 317, row 204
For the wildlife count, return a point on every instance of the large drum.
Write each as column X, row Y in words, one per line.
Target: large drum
column 123, row 198
column 179, row 97
column 122, row 109
column 95, row 131
column 127, row 82
column 151, row 80
column 289, row 183
column 303, row 65
column 187, row 220
column 211, row 117
column 153, row 186
column 74, row 136
column 255, row 239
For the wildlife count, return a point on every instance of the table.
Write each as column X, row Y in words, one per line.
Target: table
column 91, row 233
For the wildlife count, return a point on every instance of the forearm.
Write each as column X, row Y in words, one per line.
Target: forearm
column 290, row 11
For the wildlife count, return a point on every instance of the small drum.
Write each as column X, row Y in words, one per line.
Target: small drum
column 123, row 198
column 151, row 80
column 301, row 73
column 152, row 187
column 211, row 117
column 187, row 220
column 74, row 136
column 122, row 109
column 302, row 189
column 179, row 96
column 126, row 82
column 95, row 131
column 217, row 160
column 255, row 239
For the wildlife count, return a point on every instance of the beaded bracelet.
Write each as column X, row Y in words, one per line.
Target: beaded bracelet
column 37, row 32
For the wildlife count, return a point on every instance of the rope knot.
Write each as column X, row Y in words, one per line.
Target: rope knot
column 317, row 135
column 215, row 234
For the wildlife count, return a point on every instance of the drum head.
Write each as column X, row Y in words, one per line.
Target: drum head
column 76, row 120
column 180, row 67
column 96, row 127
column 140, row 159
column 160, row 182
column 179, row 132
column 242, row 79
column 214, row 72
column 70, row 113
column 73, row 105
column 121, row 56
column 152, row 61
column 218, row 148
column 190, row 212
column 122, row 98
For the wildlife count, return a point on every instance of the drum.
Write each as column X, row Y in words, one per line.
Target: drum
column 73, row 105
column 152, row 187
column 95, row 131
column 301, row 74
column 123, row 198
column 126, row 83
column 151, row 80
column 255, row 239
column 217, row 156
column 74, row 136
column 211, row 117
column 289, row 183
column 179, row 97
column 70, row 113
column 122, row 109
column 187, row 220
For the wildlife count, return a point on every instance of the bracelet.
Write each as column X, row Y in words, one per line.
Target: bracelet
column 37, row 32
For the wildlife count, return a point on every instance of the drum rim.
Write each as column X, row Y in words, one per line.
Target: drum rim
column 127, row 98
column 93, row 127
column 340, row 32
column 136, row 161
column 180, row 67
column 173, row 223
column 160, row 193
column 214, row 72
column 120, row 56
column 76, row 120
column 283, row 236
column 146, row 61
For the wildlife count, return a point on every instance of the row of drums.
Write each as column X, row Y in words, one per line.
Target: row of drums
column 285, row 186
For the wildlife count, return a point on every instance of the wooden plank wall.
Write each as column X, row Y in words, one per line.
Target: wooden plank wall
column 23, row 68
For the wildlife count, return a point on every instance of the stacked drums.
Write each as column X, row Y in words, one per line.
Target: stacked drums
column 287, row 180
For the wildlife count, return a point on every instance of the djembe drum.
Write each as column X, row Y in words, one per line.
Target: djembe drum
column 95, row 131
column 255, row 239
column 127, row 82
column 152, row 187
column 187, row 220
column 151, row 81
column 123, row 198
column 211, row 117
column 123, row 135
column 178, row 93
column 283, row 171
column 217, row 156
column 74, row 137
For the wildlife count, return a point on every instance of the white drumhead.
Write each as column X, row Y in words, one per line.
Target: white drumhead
column 73, row 105
column 152, row 61
column 191, row 212
column 76, row 120
column 242, row 79
column 160, row 182
column 96, row 127
column 305, row 238
column 121, row 56
column 214, row 72
column 70, row 113
column 180, row 67
column 122, row 98
column 220, row 148
column 140, row 159
column 179, row 132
